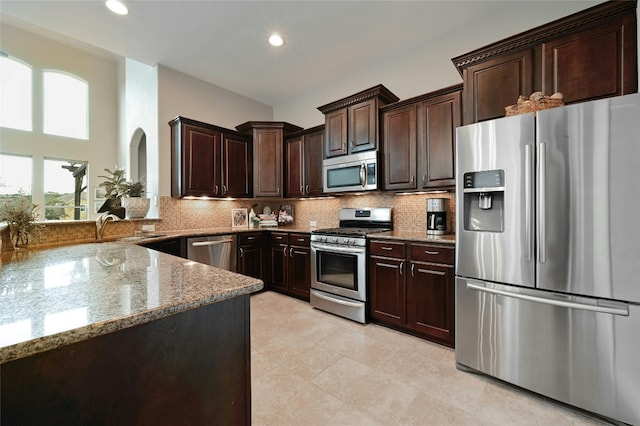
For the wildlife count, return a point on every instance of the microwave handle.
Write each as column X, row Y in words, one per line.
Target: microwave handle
column 363, row 174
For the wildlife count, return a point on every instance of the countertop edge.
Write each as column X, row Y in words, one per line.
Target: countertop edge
column 420, row 237
column 68, row 337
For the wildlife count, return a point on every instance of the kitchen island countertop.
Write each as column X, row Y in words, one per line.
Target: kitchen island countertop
column 55, row 297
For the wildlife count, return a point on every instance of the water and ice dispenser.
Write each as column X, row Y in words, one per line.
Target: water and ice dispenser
column 484, row 201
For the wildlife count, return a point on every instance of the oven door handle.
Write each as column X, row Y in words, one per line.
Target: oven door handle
column 338, row 301
column 337, row 249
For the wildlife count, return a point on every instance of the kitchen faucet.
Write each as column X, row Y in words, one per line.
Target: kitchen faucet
column 101, row 223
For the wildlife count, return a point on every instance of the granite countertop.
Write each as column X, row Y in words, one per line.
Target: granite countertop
column 421, row 237
column 167, row 235
column 54, row 297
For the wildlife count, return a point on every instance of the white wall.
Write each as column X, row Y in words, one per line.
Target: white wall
column 141, row 114
column 180, row 94
column 101, row 75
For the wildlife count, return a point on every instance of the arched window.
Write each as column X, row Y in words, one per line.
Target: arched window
column 15, row 94
column 66, row 105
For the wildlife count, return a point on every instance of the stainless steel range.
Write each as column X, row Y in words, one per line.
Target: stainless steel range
column 338, row 262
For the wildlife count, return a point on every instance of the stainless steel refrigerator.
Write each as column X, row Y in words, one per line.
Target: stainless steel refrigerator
column 548, row 253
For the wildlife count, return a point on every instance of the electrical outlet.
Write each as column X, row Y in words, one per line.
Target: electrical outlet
column 148, row 228
column 312, row 223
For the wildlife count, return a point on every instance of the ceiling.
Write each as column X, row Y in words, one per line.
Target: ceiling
column 225, row 42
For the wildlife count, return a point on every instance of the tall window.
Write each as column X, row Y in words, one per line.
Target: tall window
column 65, row 105
column 15, row 94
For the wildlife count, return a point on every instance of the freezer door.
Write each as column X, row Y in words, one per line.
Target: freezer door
column 577, row 350
column 494, row 229
column 588, row 201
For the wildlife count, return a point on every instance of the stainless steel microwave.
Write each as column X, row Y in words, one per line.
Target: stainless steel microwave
column 353, row 172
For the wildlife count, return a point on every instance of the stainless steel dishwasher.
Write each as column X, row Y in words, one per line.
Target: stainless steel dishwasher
column 214, row 250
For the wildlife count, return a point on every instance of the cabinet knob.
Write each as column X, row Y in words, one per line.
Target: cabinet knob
column 216, row 190
column 413, row 178
column 241, row 252
column 224, row 189
column 401, row 268
column 291, row 252
column 413, row 268
column 307, row 189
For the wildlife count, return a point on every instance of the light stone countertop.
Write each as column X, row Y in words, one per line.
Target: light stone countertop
column 54, row 297
column 421, row 237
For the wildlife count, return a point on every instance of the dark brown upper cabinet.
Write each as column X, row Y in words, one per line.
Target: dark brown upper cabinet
column 209, row 161
column 589, row 55
column 418, row 140
column 303, row 163
column 351, row 123
column 268, row 140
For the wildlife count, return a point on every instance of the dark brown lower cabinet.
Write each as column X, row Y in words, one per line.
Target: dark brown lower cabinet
column 412, row 288
column 174, row 246
column 193, row 367
column 251, row 255
column 291, row 264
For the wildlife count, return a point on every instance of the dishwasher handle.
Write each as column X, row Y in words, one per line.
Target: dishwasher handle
column 210, row 243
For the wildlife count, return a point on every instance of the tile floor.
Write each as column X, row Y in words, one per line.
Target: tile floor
column 313, row 368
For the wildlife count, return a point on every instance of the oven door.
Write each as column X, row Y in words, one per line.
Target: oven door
column 339, row 270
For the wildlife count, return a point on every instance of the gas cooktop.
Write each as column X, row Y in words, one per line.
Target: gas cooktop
column 360, row 222
column 349, row 232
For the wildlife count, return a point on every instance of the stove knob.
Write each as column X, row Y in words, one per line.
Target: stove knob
column 335, row 239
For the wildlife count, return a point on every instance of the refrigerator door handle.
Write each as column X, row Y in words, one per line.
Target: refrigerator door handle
column 528, row 193
column 624, row 311
column 542, row 184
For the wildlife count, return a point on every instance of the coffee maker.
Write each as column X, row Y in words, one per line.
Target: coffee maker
column 436, row 216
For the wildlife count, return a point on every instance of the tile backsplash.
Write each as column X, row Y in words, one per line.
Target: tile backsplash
column 409, row 214
column 409, row 211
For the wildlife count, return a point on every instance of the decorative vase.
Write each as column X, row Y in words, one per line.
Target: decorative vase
column 252, row 219
column 136, row 207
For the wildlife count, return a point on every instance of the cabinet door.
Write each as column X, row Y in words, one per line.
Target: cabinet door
column 336, row 131
column 399, row 146
column 201, row 151
column 496, row 83
column 267, row 172
column 299, row 276
column 439, row 118
column 251, row 261
column 294, row 174
column 387, row 287
column 237, row 168
column 596, row 63
column 363, row 126
column 279, row 266
column 430, row 297
column 313, row 147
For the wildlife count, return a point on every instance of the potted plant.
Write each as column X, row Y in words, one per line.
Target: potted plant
column 114, row 186
column 20, row 214
column 134, row 202
column 124, row 197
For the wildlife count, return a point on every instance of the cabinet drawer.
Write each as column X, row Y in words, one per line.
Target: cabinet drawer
column 301, row 240
column 250, row 238
column 387, row 248
column 279, row 238
column 434, row 254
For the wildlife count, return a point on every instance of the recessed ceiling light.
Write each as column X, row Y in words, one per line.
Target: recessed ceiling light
column 276, row 40
column 117, row 7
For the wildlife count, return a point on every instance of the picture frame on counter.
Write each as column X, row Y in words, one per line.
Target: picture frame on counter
column 239, row 218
